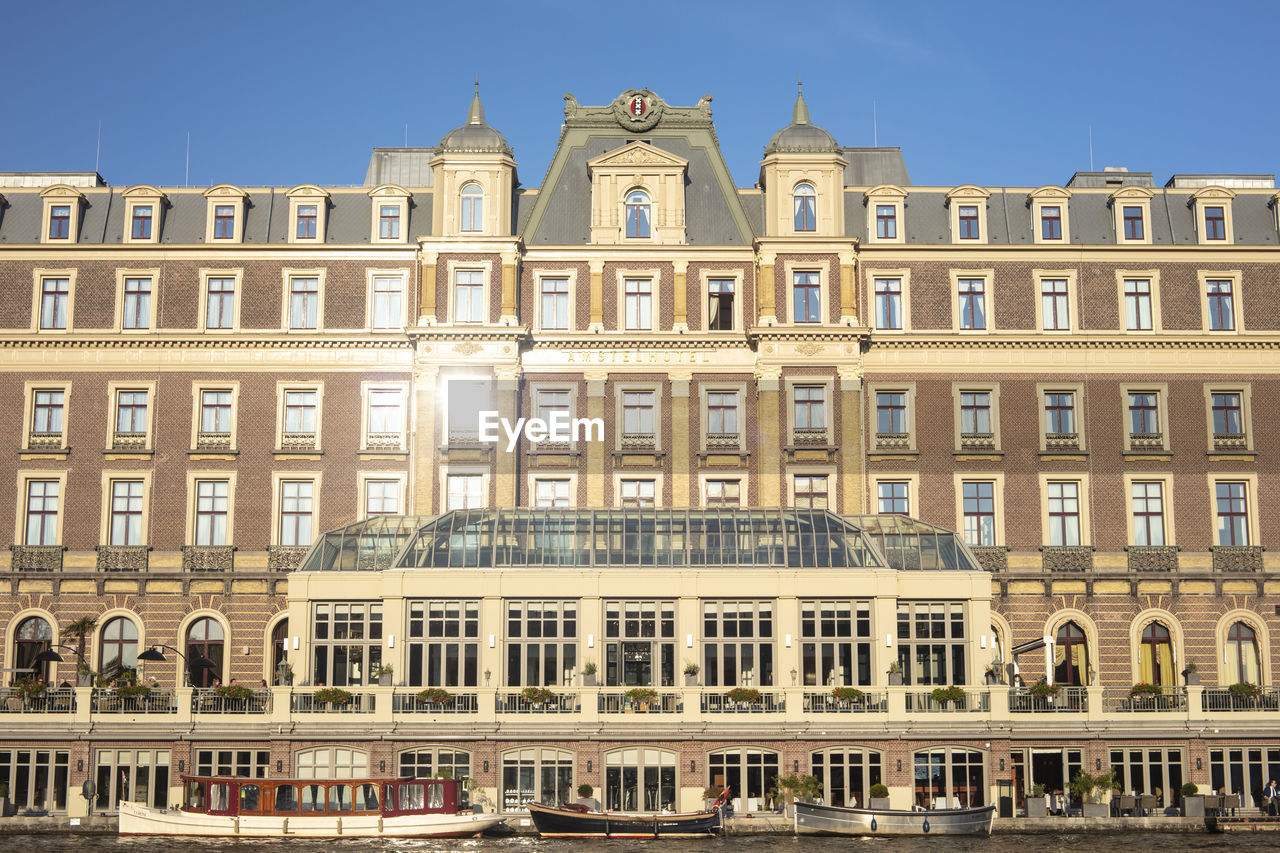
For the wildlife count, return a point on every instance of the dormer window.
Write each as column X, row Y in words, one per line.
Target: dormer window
column 1133, row 226
column 1051, row 222
column 886, row 222
column 805, row 201
column 140, row 227
column 1131, row 208
column 968, row 205
column 389, row 212
column 308, row 209
column 224, row 222
column 1215, row 223
column 1213, row 214
column 472, row 209
column 969, row 222
column 389, row 222
column 638, row 214
column 60, row 222
column 306, row 222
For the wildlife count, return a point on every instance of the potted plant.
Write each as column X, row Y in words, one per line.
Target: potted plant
column 846, row 696
column 78, row 630
column 1143, row 695
column 30, row 688
column 335, row 696
column 710, row 795
column 537, row 696
column 787, row 789
column 589, row 674
column 879, row 796
column 995, row 671
column 1244, row 694
column 640, row 697
column 744, row 696
column 587, row 796
column 1038, row 802
column 1089, row 790
column 384, row 672
column 1191, row 673
column 1192, row 800
column 1044, row 689
column 239, row 692
column 691, row 671
column 945, row 695
column 895, row 673
column 435, row 696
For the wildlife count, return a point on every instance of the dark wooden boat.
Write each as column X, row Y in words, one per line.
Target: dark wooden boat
column 577, row 821
column 815, row 819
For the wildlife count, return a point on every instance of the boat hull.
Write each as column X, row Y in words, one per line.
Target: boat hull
column 814, row 819
column 568, row 823
column 140, row 820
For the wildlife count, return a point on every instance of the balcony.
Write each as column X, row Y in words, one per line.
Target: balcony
column 1145, row 442
column 123, row 558
column 464, row 438
column 829, row 703
column 1067, row 558
column 973, row 701
column 977, row 441
column 129, row 441
column 298, row 441
column 810, row 437
column 554, row 703
column 722, row 441
column 285, row 558
column 208, row 558
column 1022, row 700
column 622, row 703
column 37, row 558
column 205, row 700
column 44, row 441
column 1152, row 558
column 720, row 703
column 639, row 441
column 110, row 700
column 1246, row 698
column 994, row 558
column 54, row 700
column 213, row 441
column 1237, row 558
column 403, row 702
column 1230, row 441
column 1124, row 700
column 1058, row 441
column 383, row 441
column 306, row 702
column 893, row 441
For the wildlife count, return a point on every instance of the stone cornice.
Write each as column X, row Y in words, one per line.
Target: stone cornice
column 1086, row 342
column 108, row 341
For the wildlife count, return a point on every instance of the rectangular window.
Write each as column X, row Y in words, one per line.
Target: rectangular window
column 140, row 228
column 810, row 407
column 1050, row 222
column 1060, row 412
column 969, row 222
column 542, row 647
column 1064, row 513
column 468, row 296
column 1228, row 417
column 304, row 303
column 224, row 222
column 221, row 304
column 211, row 512
column 1137, row 305
column 836, row 643
column 737, row 643
column 300, row 413
column 1148, row 514
column 1133, row 227
column 465, row 491
column 637, row 417
column 555, row 304
column 975, row 413
column 55, row 302
column 42, row 512
column 252, row 764
column 388, row 302
column 1221, row 301
column 640, row 650
column 639, row 494
column 126, row 512
column 215, row 412
column 60, row 222
column 1215, row 223
column 131, row 414
column 811, row 491
column 1055, row 305
column 722, row 413
column 888, row 303
column 979, row 513
column 720, row 304
column 386, row 421
column 306, row 222
column 444, row 643
column 389, row 221
column 1144, row 414
column 727, row 493
column 973, row 303
column 297, row 505
column 347, row 643
column 548, row 403
column 931, row 642
column 47, row 412
column 137, row 303
column 1232, row 506
column 551, row 494
column 381, row 497
column 638, row 304
column 886, row 222
column 891, row 412
column 892, row 497
column 807, row 297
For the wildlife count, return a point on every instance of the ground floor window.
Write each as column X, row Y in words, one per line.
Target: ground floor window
column 332, row 762
column 134, row 775
column 1053, row 768
column 1150, row 771
column 846, row 775
column 37, row 778
column 1244, row 771
column 640, row 780
column 434, row 763
column 535, row 774
column 747, row 772
column 252, row 763
column 950, row 778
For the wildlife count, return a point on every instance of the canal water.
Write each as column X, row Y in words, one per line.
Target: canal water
column 1095, row 842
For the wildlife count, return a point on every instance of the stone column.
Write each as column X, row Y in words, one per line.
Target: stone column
column 681, row 438
column 597, row 296
column 510, row 268
column 767, row 312
column 848, row 289
column 850, row 440
column 426, row 380
column 768, row 449
column 594, row 472
column 427, row 289
column 506, row 469
column 681, row 321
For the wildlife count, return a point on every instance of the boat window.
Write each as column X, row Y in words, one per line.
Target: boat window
column 250, row 795
column 286, row 798
column 220, row 797
column 411, row 798
column 195, row 796
column 367, row 797
column 313, row 798
column 339, row 798
column 389, row 796
column 435, row 796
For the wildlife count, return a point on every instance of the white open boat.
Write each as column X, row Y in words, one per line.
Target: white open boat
column 816, row 819
column 310, row 808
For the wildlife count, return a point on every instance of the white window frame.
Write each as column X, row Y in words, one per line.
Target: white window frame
column 1214, row 196
column 620, row 390
column 571, row 277
column 289, row 276
column 283, row 389
column 109, row 479
column 886, row 195
column 744, row 491
column 968, row 196
column 372, row 277
column 308, row 195
column 114, row 389
column 365, row 478
column 367, row 390
column 996, row 479
column 206, row 275
column 1040, row 276
column 706, row 276
column 1152, row 277
column 388, row 195
column 823, row 271
column 28, row 413
column 20, row 520
column 1165, row 479
column 194, row 478
column 225, row 194
column 828, row 471
column 656, row 478
column 123, row 275
column 1083, row 495
column 988, row 286
column 486, row 290
column 1203, row 277
column 198, row 387
column 1050, row 196
column 1131, row 197
column 657, row 296
column 570, row 478
column 448, row 471
column 37, row 299
column 278, row 479
column 61, row 195
column 143, row 196
column 912, row 480
column 1250, row 479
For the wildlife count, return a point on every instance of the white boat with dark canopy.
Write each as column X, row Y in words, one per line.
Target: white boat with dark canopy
column 816, row 819
column 229, row 807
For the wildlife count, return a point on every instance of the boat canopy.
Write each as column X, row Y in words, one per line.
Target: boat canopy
column 638, row 538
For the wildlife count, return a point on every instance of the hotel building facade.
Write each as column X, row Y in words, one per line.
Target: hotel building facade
column 803, row 387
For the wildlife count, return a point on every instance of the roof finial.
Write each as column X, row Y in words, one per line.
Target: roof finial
column 477, row 84
column 800, row 115
column 475, row 115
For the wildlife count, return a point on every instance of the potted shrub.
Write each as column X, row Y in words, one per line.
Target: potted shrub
column 1192, row 800
column 1191, row 673
column 1038, row 802
column 587, row 796
column 334, row 696
column 744, row 696
column 384, row 672
column 846, row 696
column 435, row 696
column 589, row 674
column 895, row 673
column 946, row 695
column 640, row 697
column 1089, row 789
column 691, row 671
column 1244, row 694
column 233, row 692
column 787, row 789
column 537, row 696
column 879, row 795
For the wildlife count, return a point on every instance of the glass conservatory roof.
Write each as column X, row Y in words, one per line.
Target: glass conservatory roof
column 634, row 538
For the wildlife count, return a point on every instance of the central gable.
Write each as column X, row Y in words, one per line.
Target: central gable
column 625, row 172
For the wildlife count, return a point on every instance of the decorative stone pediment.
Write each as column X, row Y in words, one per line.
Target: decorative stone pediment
column 638, row 154
column 389, row 191
column 61, row 191
column 225, row 191
column 308, row 191
column 143, row 191
column 1049, row 193
column 637, row 166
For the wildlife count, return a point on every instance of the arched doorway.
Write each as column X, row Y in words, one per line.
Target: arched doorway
column 280, row 652
column 34, row 635
column 119, row 647
column 1155, row 656
column 1071, row 656
column 205, row 638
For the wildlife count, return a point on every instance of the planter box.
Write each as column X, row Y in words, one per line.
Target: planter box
column 1193, row 806
column 1097, row 810
column 589, row 680
column 384, row 680
column 895, row 679
column 1037, row 806
column 879, row 803
column 690, row 680
column 1191, row 677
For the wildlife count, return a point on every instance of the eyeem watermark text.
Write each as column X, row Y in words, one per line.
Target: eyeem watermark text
column 560, row 428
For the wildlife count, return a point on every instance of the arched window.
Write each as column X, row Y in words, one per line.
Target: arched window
column 332, row 762
column 1155, row 656
column 748, row 772
column 536, row 774
column 1071, row 656
column 472, row 208
column 806, row 204
column 847, row 774
column 34, row 635
column 637, row 213
column 205, row 638
column 1242, row 655
column 279, row 651
column 640, row 780
column 119, row 647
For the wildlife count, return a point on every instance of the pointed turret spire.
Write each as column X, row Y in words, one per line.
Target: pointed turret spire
column 800, row 115
column 475, row 115
column 802, row 135
column 475, row 134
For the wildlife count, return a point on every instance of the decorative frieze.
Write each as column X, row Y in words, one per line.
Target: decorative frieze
column 37, row 558
column 1237, row 558
column 993, row 558
column 1152, row 558
column 208, row 558
column 123, row 558
column 1067, row 558
column 285, row 558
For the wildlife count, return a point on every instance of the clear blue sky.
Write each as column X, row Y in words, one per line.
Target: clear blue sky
column 286, row 93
